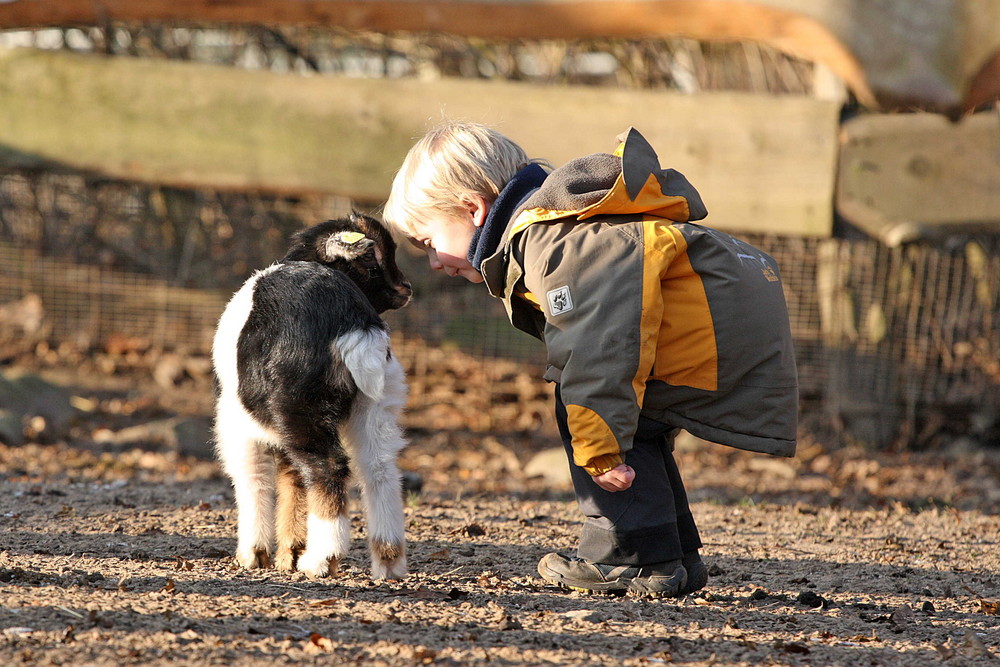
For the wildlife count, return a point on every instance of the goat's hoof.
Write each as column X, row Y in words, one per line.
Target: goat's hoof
column 254, row 559
column 285, row 559
column 322, row 566
column 394, row 569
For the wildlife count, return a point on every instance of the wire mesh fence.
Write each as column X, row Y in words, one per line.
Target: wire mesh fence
column 889, row 341
column 90, row 306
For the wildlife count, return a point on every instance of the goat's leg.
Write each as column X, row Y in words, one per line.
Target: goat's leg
column 291, row 514
column 251, row 468
column 375, row 438
column 328, row 528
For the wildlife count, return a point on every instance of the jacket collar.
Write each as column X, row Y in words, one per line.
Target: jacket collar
column 487, row 238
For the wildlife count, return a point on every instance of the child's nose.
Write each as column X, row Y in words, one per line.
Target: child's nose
column 432, row 259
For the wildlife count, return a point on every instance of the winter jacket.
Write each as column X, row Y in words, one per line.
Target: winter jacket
column 643, row 312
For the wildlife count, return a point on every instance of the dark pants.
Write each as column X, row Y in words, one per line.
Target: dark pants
column 650, row 522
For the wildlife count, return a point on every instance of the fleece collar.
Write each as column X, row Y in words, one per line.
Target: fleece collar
column 487, row 238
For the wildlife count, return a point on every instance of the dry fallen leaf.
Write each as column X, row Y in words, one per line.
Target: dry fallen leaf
column 660, row 656
column 791, row 647
column 169, row 587
column 443, row 554
column 991, row 607
column 96, row 619
column 317, row 643
column 424, row 655
column 421, row 593
column 471, row 530
column 946, row 652
column 325, row 603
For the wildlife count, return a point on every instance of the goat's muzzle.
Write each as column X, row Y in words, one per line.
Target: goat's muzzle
column 403, row 294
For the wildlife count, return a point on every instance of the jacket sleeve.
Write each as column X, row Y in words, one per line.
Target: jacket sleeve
column 602, row 316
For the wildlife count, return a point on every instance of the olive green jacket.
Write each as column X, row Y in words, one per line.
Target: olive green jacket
column 643, row 312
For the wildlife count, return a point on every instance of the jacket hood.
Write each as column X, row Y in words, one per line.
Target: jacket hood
column 630, row 181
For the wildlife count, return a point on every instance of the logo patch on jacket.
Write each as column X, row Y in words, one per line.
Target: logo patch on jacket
column 560, row 300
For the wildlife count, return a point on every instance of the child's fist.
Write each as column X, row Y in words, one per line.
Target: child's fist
column 618, row 478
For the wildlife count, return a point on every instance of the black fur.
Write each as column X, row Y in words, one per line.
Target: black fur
column 283, row 354
column 377, row 279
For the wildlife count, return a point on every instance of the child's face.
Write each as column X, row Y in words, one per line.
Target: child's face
column 446, row 239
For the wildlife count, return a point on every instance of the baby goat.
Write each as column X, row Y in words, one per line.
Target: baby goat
column 304, row 366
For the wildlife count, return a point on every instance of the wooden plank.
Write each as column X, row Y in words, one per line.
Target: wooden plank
column 912, row 176
column 761, row 163
column 941, row 55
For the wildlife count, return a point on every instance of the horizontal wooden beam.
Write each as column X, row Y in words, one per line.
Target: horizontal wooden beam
column 940, row 55
column 761, row 162
column 910, row 177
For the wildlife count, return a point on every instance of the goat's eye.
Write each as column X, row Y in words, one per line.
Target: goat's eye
column 368, row 260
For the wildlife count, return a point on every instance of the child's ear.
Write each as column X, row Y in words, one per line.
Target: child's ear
column 478, row 208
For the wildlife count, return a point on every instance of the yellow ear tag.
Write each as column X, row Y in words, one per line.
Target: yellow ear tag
column 350, row 238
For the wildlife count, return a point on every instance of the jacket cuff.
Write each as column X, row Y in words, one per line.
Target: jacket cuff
column 603, row 463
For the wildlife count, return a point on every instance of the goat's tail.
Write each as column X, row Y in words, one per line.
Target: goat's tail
column 365, row 353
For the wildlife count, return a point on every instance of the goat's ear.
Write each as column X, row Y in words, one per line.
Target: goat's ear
column 347, row 245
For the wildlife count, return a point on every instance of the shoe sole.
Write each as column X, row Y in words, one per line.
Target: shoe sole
column 697, row 580
column 611, row 593
column 643, row 593
column 647, row 595
column 616, row 588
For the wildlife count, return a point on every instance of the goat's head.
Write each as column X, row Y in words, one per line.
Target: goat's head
column 360, row 247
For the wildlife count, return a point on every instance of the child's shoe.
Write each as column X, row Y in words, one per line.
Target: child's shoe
column 581, row 575
column 658, row 580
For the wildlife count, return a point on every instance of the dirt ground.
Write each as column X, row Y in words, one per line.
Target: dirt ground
column 116, row 555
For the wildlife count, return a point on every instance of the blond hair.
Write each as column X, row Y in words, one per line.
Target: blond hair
column 452, row 162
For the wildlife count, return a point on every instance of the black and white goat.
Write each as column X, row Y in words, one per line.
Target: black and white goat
column 304, row 367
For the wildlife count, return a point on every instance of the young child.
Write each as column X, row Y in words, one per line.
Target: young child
column 650, row 323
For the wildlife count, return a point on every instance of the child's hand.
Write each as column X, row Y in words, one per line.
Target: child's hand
column 618, row 478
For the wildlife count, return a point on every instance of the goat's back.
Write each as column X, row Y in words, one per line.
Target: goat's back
column 277, row 339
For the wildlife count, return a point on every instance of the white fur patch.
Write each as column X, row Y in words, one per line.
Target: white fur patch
column 365, row 354
column 326, row 539
column 227, row 333
column 375, row 439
